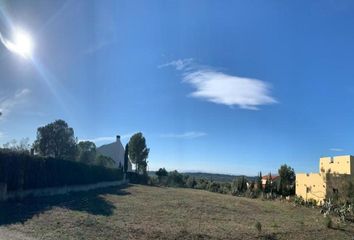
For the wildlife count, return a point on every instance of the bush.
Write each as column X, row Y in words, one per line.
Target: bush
column 191, row 182
column 136, row 178
column 225, row 188
column 202, row 184
column 175, row 179
column 22, row 171
column 214, row 187
column 258, row 227
column 299, row 200
column 328, row 222
column 312, row 202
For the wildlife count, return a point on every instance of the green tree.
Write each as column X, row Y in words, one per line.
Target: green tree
column 56, row 140
column 126, row 158
column 138, row 152
column 86, row 152
column 105, row 161
column 175, row 179
column 21, row 146
column 191, row 182
column 259, row 182
column 268, row 184
column 239, row 185
column 161, row 173
column 287, row 180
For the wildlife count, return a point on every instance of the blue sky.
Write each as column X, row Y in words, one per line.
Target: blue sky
column 217, row 86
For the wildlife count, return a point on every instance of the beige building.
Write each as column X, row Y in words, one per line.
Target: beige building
column 313, row 185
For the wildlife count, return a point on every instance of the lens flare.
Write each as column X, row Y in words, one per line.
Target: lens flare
column 22, row 43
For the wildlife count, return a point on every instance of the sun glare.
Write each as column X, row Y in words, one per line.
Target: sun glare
column 22, row 43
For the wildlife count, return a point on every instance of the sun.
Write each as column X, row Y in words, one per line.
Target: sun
column 22, row 43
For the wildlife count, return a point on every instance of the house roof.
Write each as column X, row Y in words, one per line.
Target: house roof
column 272, row 177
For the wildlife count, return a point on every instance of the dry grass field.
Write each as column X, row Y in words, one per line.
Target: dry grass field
column 142, row 212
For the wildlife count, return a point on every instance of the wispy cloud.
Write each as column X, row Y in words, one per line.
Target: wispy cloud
column 107, row 139
column 336, row 149
column 186, row 135
column 221, row 88
column 179, row 64
column 7, row 104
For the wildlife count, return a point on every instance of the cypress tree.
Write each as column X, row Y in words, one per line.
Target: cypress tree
column 126, row 158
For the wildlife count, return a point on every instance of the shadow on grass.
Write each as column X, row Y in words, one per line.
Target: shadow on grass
column 92, row 202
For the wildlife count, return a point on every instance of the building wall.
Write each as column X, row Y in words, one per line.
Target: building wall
column 115, row 151
column 311, row 186
column 337, row 165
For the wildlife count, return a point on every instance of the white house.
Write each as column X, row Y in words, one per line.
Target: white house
column 114, row 150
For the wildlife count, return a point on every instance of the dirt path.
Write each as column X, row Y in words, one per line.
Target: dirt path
column 6, row 234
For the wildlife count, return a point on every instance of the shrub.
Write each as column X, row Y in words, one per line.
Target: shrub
column 214, row 187
column 161, row 173
column 202, row 184
column 136, row 178
column 175, row 179
column 258, row 227
column 22, row 171
column 299, row 200
column 312, row 202
column 225, row 188
column 191, row 182
column 239, row 185
column 328, row 222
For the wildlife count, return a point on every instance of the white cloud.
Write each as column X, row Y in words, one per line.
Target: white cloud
column 8, row 103
column 179, row 64
column 107, row 139
column 186, row 135
column 336, row 149
column 221, row 88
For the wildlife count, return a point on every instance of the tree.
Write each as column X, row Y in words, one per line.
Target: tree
column 268, row 184
column 191, row 182
column 56, row 140
column 105, row 161
column 161, row 173
column 175, row 179
column 126, row 158
column 259, row 182
column 86, row 152
column 239, row 185
column 22, row 146
column 138, row 152
column 287, row 180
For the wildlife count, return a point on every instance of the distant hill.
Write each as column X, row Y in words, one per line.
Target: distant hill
column 218, row 177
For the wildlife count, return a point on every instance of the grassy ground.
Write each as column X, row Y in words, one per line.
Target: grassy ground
column 142, row 212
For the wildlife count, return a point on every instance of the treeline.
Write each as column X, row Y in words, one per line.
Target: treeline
column 240, row 186
column 54, row 159
column 21, row 171
column 57, row 140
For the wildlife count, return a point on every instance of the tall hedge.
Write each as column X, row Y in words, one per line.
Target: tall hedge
column 21, row 171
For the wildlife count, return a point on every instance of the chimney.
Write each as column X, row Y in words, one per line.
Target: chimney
column 118, row 138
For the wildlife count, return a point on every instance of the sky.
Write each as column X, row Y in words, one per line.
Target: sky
column 216, row 86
